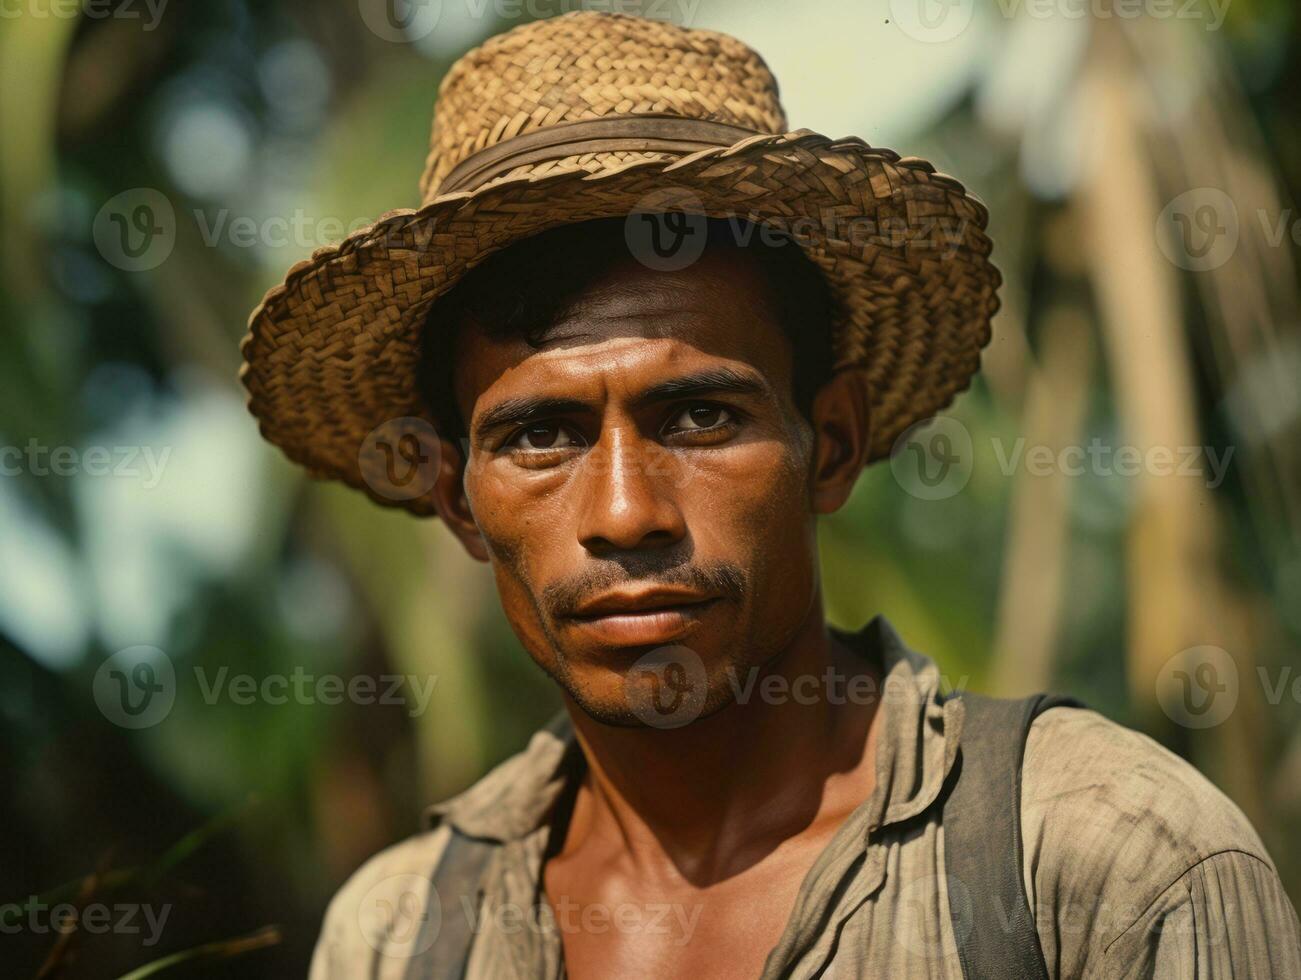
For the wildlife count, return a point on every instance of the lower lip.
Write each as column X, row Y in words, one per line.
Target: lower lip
column 652, row 627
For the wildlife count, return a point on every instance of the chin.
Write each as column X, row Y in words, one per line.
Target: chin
column 664, row 688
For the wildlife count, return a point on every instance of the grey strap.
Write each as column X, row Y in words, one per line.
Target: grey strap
column 983, row 855
column 457, row 875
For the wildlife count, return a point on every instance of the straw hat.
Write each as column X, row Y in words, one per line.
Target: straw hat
column 592, row 115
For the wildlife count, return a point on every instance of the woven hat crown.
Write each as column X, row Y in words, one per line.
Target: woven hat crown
column 588, row 65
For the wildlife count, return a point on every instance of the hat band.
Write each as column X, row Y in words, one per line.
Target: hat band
column 646, row 133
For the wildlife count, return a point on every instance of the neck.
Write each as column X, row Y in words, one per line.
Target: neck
column 718, row 794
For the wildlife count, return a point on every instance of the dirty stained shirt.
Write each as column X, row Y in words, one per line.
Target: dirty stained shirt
column 1134, row 864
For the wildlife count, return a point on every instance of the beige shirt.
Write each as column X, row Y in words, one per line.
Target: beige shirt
column 1134, row 864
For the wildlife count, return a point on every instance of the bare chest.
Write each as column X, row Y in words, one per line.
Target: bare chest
column 620, row 925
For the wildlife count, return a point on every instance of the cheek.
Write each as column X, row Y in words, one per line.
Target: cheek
column 514, row 550
column 752, row 501
column 518, row 536
column 505, row 525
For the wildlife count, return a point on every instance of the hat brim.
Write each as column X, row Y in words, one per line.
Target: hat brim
column 331, row 353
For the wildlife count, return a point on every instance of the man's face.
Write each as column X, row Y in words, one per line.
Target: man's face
column 640, row 482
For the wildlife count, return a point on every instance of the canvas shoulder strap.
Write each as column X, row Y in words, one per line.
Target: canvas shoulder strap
column 458, row 873
column 992, row 920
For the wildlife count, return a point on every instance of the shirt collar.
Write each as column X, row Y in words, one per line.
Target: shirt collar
column 916, row 747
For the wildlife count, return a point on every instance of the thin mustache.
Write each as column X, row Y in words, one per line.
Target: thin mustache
column 720, row 578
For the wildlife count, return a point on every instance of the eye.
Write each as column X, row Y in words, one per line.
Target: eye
column 699, row 416
column 542, row 436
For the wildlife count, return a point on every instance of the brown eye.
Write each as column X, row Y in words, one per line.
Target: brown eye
column 700, row 417
column 543, row 435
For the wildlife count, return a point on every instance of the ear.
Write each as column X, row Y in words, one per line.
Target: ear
column 841, row 438
column 449, row 499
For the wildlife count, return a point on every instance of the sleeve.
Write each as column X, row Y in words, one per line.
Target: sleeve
column 1136, row 866
column 1226, row 917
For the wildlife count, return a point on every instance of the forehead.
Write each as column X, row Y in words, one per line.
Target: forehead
column 631, row 326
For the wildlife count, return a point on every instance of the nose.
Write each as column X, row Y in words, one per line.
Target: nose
column 628, row 497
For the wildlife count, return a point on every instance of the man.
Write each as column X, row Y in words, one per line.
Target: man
column 640, row 443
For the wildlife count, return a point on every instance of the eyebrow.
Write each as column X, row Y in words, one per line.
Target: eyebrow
column 516, row 411
column 710, row 381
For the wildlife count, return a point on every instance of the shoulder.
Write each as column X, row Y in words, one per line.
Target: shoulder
column 1121, row 835
column 376, row 917
column 1101, row 790
column 373, row 903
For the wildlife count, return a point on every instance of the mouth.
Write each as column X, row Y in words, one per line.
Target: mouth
column 648, row 618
